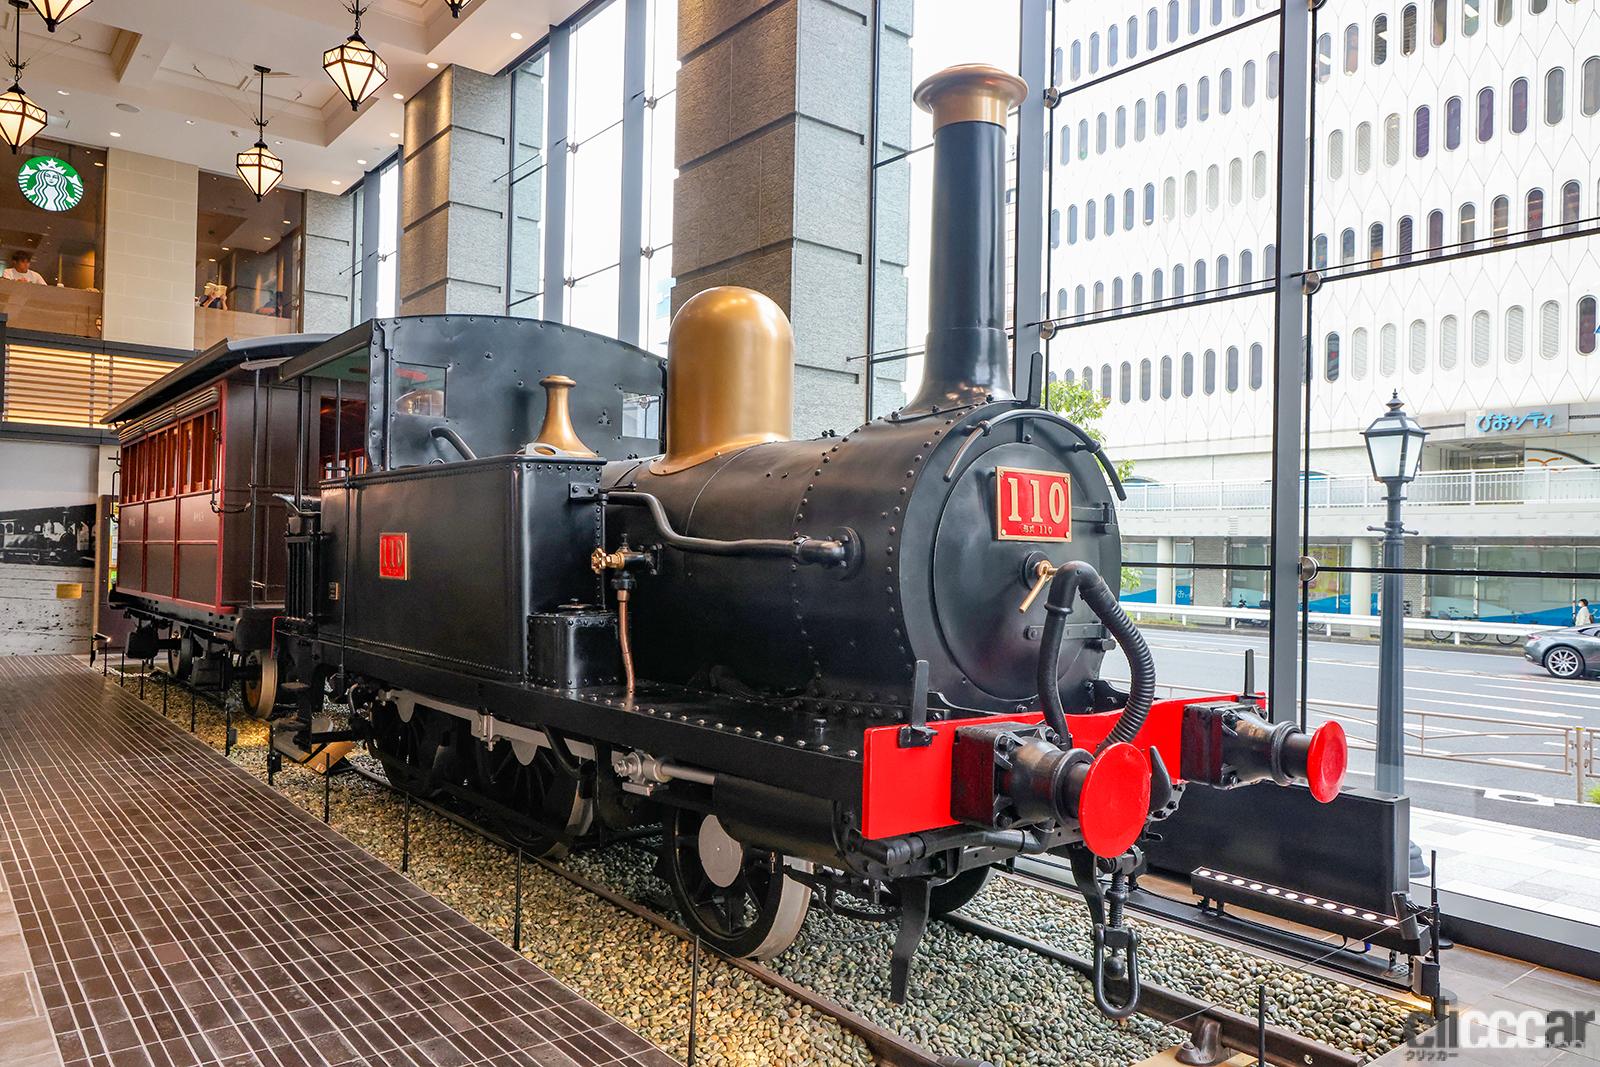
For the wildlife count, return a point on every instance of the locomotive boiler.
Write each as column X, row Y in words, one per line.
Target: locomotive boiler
column 864, row 666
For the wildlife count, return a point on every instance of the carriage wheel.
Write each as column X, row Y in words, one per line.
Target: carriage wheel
column 740, row 900
column 524, row 777
column 188, row 650
column 258, row 686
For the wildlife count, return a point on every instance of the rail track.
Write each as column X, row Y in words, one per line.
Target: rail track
column 1215, row 1032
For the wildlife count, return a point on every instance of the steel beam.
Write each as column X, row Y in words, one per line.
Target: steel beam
column 1294, row 88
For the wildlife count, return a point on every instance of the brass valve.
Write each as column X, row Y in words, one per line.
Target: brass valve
column 1045, row 570
column 601, row 561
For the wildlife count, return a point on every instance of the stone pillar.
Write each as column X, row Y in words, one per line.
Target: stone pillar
column 329, row 270
column 152, row 218
column 1166, row 577
column 1361, row 586
column 453, row 200
column 773, row 119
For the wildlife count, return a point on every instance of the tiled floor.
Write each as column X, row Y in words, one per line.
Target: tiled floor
column 178, row 912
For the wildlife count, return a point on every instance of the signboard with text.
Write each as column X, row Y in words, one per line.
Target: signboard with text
column 1517, row 422
column 1032, row 505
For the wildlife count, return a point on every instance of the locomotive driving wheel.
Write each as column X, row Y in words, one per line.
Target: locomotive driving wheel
column 188, row 649
column 407, row 747
column 740, row 900
column 523, row 777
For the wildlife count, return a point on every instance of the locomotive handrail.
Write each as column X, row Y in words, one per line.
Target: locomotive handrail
column 449, row 434
column 802, row 549
column 982, row 427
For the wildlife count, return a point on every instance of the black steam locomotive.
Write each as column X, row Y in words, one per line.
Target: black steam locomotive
column 865, row 665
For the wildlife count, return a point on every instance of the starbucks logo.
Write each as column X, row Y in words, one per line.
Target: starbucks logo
column 50, row 183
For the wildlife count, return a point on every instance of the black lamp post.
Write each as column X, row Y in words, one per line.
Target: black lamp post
column 1394, row 448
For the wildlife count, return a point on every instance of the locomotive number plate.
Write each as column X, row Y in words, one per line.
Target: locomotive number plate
column 394, row 556
column 1032, row 505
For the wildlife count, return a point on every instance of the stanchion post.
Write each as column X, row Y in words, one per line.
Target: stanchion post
column 516, row 914
column 191, row 709
column 165, row 685
column 1579, row 757
column 1261, row 1026
column 694, row 997
column 142, row 672
column 122, row 665
column 405, row 838
column 327, row 785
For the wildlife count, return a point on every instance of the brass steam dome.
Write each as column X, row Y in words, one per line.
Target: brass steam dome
column 730, row 376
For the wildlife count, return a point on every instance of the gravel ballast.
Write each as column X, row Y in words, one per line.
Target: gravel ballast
column 969, row 997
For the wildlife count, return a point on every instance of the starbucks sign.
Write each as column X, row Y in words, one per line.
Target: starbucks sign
column 50, row 183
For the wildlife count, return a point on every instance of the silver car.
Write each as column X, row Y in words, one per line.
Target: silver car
column 1570, row 653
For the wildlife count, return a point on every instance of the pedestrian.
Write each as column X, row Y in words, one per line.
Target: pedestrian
column 1584, row 616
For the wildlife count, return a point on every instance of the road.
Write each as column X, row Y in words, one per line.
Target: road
column 1521, row 782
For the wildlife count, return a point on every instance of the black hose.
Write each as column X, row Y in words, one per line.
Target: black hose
column 1081, row 579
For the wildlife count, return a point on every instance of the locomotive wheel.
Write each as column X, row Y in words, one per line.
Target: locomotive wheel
column 738, row 899
column 258, row 686
column 407, row 749
column 524, row 778
column 958, row 891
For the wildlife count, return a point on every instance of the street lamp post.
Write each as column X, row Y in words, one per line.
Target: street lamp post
column 1394, row 448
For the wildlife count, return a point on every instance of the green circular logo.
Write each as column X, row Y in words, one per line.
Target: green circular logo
column 50, row 183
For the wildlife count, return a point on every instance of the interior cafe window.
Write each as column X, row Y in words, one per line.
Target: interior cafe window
column 52, row 208
column 247, row 261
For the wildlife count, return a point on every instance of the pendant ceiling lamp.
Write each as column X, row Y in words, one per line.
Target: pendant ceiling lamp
column 20, row 117
column 55, row 12
column 456, row 6
column 355, row 68
column 259, row 166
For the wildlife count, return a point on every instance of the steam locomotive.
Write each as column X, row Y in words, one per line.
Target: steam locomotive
column 864, row 666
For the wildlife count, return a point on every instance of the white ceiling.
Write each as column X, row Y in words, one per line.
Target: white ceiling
column 186, row 68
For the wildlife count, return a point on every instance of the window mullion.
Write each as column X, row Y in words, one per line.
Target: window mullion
column 630, row 258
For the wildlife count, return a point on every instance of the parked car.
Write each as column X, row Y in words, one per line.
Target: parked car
column 1572, row 652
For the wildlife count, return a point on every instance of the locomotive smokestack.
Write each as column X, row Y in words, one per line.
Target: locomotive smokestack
column 967, row 357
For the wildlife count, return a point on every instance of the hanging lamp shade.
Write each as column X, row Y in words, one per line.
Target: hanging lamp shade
column 260, row 168
column 456, row 6
column 55, row 12
column 20, row 117
column 356, row 69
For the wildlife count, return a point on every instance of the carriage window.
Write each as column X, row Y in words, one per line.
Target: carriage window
column 641, row 415
column 420, row 389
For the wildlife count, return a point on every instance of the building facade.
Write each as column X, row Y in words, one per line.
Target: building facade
column 1453, row 243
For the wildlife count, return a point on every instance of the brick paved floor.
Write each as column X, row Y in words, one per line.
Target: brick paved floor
column 177, row 912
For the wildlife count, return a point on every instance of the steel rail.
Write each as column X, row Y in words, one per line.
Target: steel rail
column 1204, row 1022
column 1230, row 1028
column 888, row 1048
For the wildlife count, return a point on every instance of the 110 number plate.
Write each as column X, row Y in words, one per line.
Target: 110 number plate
column 1032, row 505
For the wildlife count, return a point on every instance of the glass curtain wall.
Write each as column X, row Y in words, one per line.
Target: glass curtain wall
column 1454, row 191
column 915, row 40
column 1449, row 240
column 591, row 173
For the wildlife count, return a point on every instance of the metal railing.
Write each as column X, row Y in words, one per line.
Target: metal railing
column 1451, row 630
column 1438, row 488
column 1567, row 751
